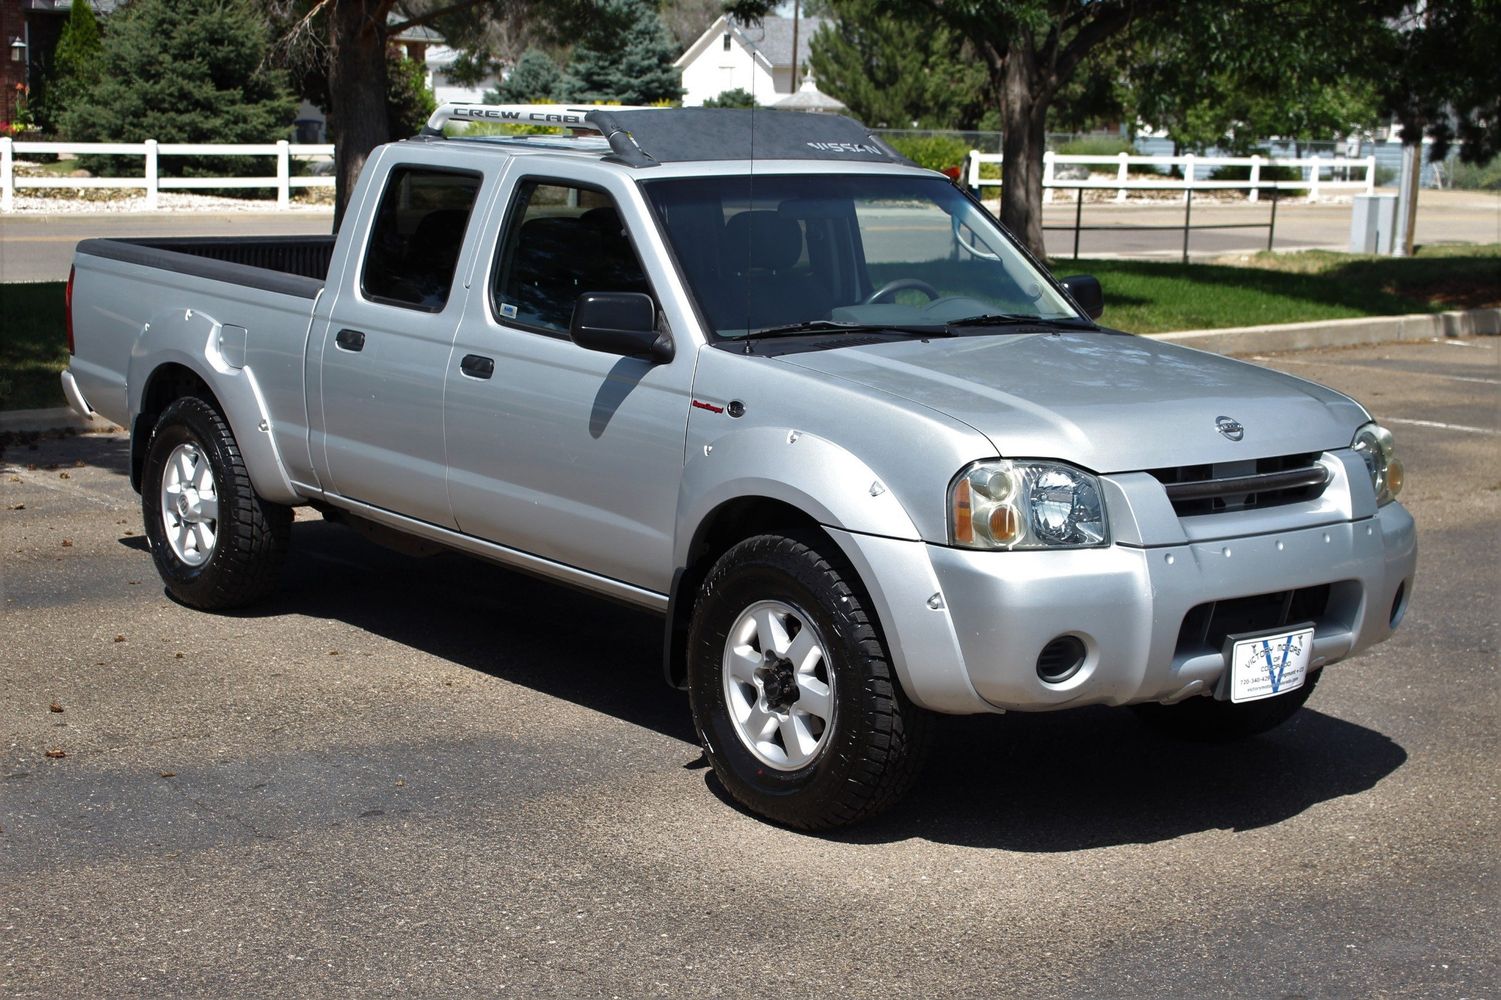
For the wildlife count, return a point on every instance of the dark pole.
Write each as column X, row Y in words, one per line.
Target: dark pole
column 1271, row 229
column 795, row 5
column 1078, row 217
column 1188, row 207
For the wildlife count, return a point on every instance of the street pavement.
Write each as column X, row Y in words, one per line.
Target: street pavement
column 40, row 247
column 436, row 777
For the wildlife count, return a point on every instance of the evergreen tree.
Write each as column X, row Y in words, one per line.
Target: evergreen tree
column 74, row 67
column 535, row 79
column 184, row 71
column 897, row 69
column 624, row 55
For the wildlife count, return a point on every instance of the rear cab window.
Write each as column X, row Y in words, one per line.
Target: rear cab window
column 417, row 235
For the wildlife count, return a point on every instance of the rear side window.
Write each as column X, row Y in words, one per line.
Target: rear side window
column 561, row 241
column 419, row 229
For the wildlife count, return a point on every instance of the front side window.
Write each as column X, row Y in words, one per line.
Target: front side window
column 560, row 241
column 781, row 249
column 418, row 232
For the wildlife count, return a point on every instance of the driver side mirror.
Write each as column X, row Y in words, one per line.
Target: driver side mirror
column 1085, row 288
column 623, row 323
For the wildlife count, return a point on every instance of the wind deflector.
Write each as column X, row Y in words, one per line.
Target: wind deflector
column 643, row 138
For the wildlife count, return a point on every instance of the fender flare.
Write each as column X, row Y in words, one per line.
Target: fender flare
column 818, row 477
column 215, row 353
column 863, row 520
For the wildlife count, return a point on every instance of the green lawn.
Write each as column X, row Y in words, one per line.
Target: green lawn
column 1140, row 296
column 1153, row 297
column 32, row 345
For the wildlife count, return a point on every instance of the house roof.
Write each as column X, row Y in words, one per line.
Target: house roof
column 770, row 42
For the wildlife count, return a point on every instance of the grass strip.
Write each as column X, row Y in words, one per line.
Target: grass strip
column 33, row 345
column 1157, row 297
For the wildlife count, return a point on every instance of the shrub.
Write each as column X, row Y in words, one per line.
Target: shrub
column 932, row 151
column 1103, row 145
column 1475, row 177
column 736, row 98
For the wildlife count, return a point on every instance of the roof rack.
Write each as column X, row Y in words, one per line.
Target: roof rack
column 556, row 115
column 647, row 137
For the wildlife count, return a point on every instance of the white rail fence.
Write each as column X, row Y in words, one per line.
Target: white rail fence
column 150, row 179
column 1321, row 174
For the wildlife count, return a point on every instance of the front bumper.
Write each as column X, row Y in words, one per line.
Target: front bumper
column 977, row 649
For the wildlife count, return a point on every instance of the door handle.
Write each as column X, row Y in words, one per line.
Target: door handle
column 350, row 340
column 476, row 366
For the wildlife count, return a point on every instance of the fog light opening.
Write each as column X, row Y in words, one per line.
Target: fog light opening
column 1061, row 659
column 1399, row 605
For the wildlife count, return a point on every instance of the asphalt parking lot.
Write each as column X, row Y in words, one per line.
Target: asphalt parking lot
column 432, row 776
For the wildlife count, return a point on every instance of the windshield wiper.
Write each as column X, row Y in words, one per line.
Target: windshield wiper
column 834, row 326
column 1021, row 319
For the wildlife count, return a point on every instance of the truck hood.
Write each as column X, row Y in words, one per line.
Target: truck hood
column 1105, row 401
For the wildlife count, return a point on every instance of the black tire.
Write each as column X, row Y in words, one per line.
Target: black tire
column 1205, row 720
column 868, row 754
column 249, row 533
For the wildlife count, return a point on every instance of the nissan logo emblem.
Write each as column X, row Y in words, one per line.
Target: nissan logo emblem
column 1230, row 428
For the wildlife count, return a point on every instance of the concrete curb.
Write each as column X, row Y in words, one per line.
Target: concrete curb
column 1339, row 332
column 1237, row 340
column 57, row 418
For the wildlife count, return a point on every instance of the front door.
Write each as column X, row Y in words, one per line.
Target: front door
column 561, row 452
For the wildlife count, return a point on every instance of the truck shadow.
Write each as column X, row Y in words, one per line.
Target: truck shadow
column 1065, row 781
column 1097, row 777
column 563, row 643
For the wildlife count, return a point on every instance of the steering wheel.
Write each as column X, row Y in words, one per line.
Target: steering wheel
column 901, row 285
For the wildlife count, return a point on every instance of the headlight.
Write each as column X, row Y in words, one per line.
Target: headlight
column 1374, row 444
column 1026, row 505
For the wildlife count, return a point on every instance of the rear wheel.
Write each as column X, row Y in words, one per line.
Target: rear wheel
column 1207, row 720
column 216, row 543
column 792, row 690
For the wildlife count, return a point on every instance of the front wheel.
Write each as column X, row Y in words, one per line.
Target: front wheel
column 1206, row 720
column 792, row 690
column 215, row 542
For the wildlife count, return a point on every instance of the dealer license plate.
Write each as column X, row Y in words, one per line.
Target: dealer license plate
column 1266, row 665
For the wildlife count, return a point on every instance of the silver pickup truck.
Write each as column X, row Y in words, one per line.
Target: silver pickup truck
column 758, row 373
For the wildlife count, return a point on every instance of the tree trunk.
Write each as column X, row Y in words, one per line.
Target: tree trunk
column 356, row 90
column 1024, row 117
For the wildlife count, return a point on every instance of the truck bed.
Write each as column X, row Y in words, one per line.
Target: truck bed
column 292, row 265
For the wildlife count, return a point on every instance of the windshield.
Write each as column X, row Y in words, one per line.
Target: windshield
column 777, row 250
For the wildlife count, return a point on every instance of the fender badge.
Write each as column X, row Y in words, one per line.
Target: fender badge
column 700, row 404
column 1230, row 428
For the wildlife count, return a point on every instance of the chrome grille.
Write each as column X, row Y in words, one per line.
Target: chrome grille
column 1246, row 485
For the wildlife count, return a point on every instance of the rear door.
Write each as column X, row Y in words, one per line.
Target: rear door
column 561, row 452
column 386, row 348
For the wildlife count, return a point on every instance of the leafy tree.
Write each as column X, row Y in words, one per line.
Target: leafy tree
column 893, row 68
column 74, row 68
column 1034, row 51
column 685, row 20
column 536, row 79
column 184, row 71
column 739, row 97
column 1446, row 79
column 1230, row 77
column 624, row 55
